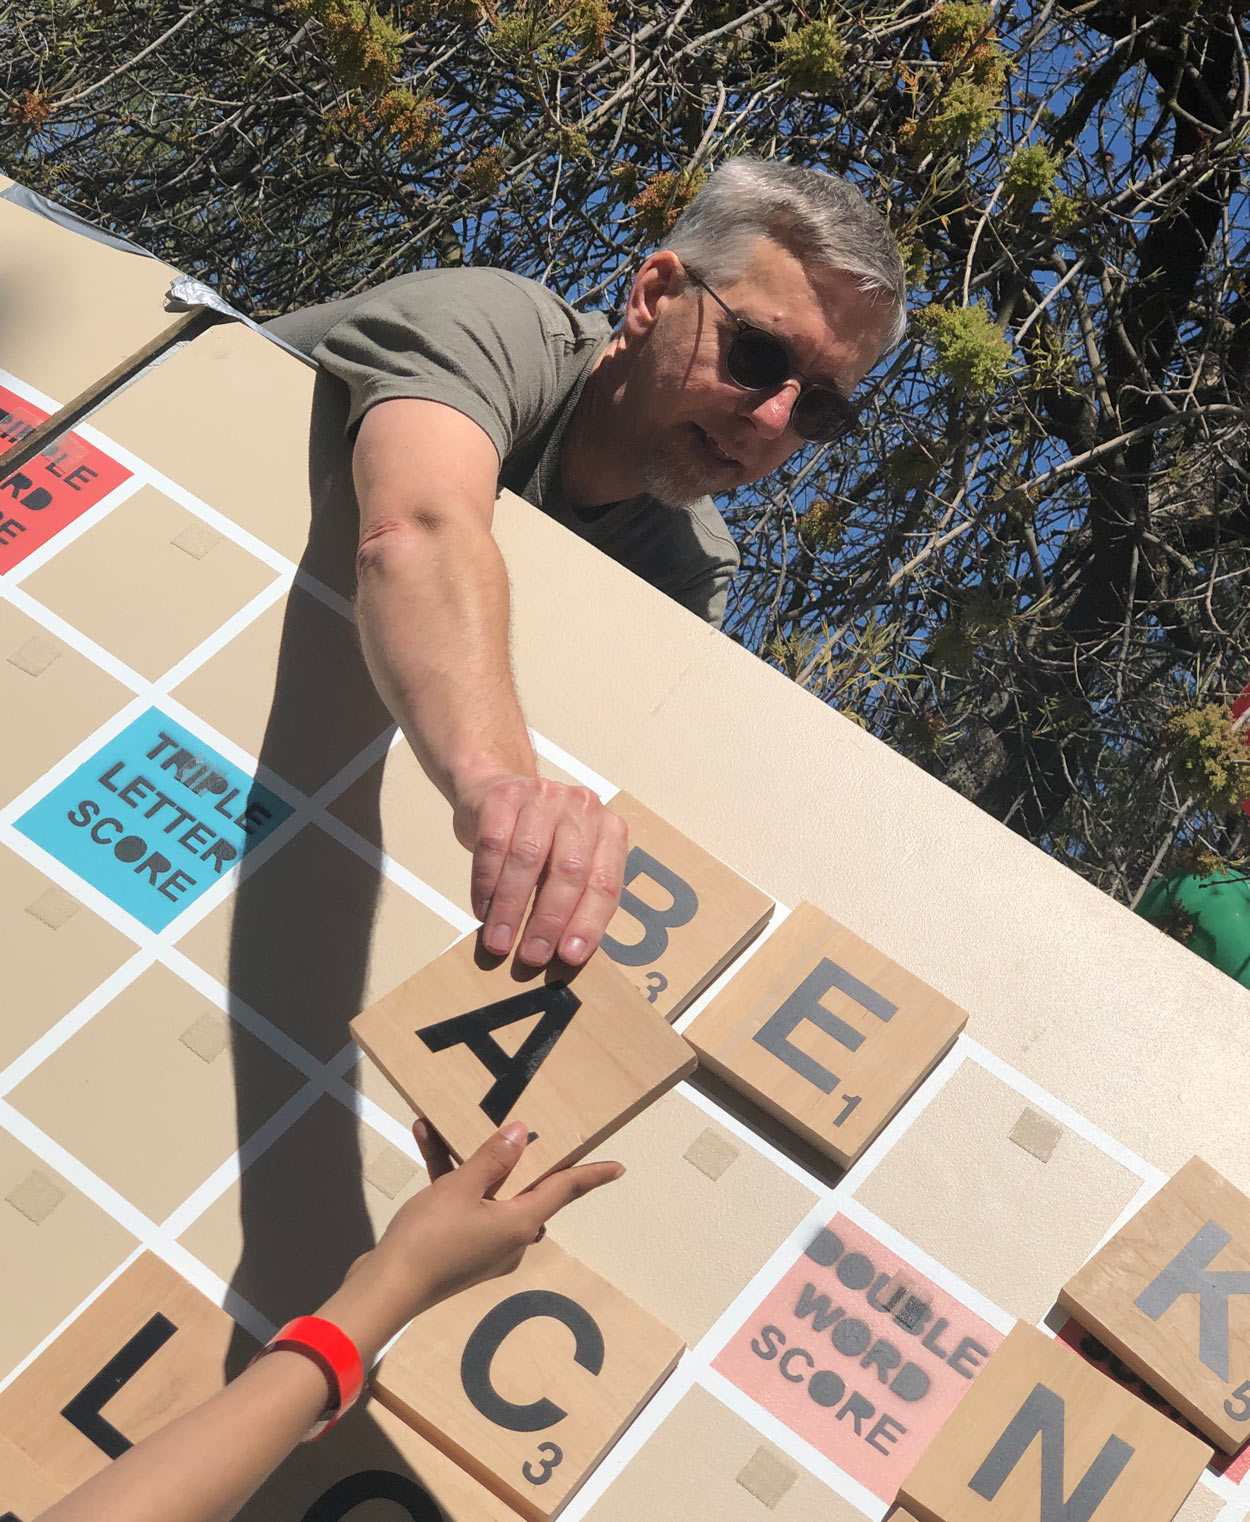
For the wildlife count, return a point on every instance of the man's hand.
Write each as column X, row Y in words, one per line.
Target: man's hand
column 527, row 834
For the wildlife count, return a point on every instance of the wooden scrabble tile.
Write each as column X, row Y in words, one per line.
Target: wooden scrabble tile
column 1040, row 1434
column 25, row 1491
column 149, row 1349
column 528, row 1380
column 1170, row 1294
column 825, row 1032
column 684, row 916
column 472, row 1041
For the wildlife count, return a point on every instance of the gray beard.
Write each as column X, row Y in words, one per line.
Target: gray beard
column 673, row 478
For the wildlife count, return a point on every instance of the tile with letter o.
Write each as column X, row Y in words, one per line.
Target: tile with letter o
column 825, row 1032
column 150, row 1348
column 1041, row 1435
column 528, row 1380
column 1170, row 1294
column 25, row 1491
column 472, row 1041
column 684, row 916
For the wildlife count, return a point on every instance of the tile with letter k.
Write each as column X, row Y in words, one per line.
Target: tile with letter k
column 1042, row 1437
column 527, row 1380
column 684, row 915
column 1170, row 1294
column 473, row 1041
column 825, row 1032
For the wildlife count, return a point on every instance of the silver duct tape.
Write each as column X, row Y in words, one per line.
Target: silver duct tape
column 186, row 293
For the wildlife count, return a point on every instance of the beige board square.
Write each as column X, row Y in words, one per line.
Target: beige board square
column 50, row 1258
column 395, row 807
column 1013, row 1227
column 1041, row 1433
column 25, row 1490
column 131, row 1098
column 73, row 306
column 473, row 1041
column 157, row 603
column 825, row 1032
column 164, row 1346
column 668, row 1210
column 293, row 690
column 287, row 1231
column 699, row 1466
column 529, row 1379
column 1170, row 1293
column 684, row 916
column 374, row 1468
column 45, row 715
column 312, row 936
column 48, row 968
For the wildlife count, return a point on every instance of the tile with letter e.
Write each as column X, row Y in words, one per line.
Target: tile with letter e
column 825, row 1032
column 529, row 1379
column 25, row 1491
column 684, row 916
column 149, row 1349
column 1170, row 1294
column 473, row 1042
column 1040, row 1434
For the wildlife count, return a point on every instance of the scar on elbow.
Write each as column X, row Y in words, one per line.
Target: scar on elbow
column 377, row 541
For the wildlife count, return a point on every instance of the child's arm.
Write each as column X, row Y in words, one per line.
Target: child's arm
column 202, row 1467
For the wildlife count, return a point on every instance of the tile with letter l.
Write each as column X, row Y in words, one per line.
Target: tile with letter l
column 683, row 917
column 1170, row 1294
column 825, row 1032
column 527, row 1380
column 147, row 1350
column 1042, row 1437
column 25, row 1491
column 472, row 1042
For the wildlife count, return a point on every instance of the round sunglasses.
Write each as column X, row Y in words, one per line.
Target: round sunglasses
column 760, row 361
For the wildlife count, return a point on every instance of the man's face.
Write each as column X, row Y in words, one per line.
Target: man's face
column 698, row 432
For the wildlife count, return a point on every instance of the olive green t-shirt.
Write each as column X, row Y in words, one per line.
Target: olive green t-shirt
column 514, row 357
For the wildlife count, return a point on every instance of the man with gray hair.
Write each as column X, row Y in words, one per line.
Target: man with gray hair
column 742, row 337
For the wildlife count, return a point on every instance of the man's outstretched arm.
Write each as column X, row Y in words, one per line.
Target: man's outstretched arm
column 432, row 608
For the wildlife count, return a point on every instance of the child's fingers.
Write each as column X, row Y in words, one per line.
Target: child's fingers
column 481, row 1174
column 433, row 1149
column 552, row 1194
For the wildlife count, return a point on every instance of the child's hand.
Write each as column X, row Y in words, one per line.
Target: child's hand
column 452, row 1234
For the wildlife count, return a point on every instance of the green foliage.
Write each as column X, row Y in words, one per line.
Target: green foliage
column 1206, row 756
column 955, row 28
column 912, row 465
column 1065, row 213
column 362, row 48
column 1030, row 176
column 823, row 525
column 970, row 350
column 484, row 175
column 810, row 57
column 663, row 199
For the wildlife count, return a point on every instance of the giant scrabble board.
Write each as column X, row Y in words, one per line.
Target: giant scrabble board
column 214, row 853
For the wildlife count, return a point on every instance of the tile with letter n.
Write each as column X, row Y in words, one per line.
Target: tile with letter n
column 825, row 1032
column 1043, row 1437
column 527, row 1380
column 683, row 917
column 147, row 1350
column 1170, row 1294
column 472, row 1041
column 26, row 1491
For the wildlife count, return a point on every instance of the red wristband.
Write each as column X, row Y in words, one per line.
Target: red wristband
column 335, row 1355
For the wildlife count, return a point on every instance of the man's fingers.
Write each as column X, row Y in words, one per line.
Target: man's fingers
column 563, row 883
column 433, row 1149
column 494, row 828
column 482, row 1173
column 602, row 892
column 523, row 863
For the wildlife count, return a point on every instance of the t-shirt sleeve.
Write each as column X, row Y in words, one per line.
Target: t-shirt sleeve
column 707, row 593
column 474, row 340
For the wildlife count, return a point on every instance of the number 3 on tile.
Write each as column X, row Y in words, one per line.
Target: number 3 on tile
column 554, row 1455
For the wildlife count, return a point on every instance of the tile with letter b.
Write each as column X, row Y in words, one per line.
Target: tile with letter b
column 472, row 1042
column 527, row 1380
column 684, row 916
column 825, row 1032
column 1170, row 1294
column 1042, row 1437
column 25, row 1491
column 150, row 1348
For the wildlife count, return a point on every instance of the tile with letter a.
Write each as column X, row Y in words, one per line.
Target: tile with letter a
column 148, row 1350
column 25, row 1491
column 1170, row 1294
column 1043, row 1437
column 472, row 1042
column 684, row 916
column 527, row 1380
column 825, row 1032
